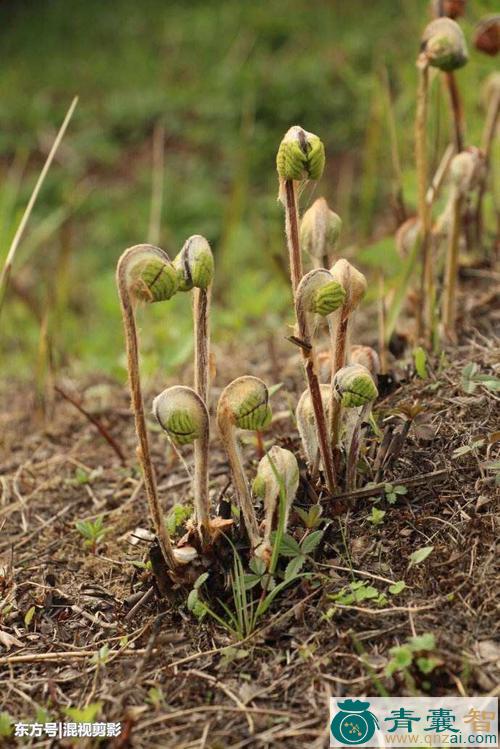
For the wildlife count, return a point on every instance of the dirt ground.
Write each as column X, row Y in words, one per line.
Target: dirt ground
column 174, row 682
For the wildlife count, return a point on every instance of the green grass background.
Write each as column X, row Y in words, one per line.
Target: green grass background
column 226, row 79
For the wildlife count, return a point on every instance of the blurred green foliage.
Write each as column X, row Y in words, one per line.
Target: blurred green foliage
column 226, row 79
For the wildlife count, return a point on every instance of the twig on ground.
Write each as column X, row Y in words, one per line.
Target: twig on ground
column 374, row 488
column 93, row 420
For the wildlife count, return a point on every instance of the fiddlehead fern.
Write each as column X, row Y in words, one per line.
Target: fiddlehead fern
column 368, row 357
column 183, row 415
column 277, row 474
column 195, row 269
column 320, row 232
column 144, row 273
column 466, row 171
column 306, row 424
column 354, row 388
column 443, row 45
column 301, row 156
column 354, row 283
column 195, row 264
column 317, row 293
column 243, row 404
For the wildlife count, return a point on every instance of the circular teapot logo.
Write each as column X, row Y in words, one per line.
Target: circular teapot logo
column 354, row 723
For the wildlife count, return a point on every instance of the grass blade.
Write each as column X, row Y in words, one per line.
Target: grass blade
column 6, row 270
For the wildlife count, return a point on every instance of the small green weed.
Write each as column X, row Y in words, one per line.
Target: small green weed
column 93, row 532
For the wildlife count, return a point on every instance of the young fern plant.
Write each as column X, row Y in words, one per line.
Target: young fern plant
column 487, row 35
column 368, row 357
column 491, row 90
column 243, row 404
column 183, row 415
column 277, row 472
column 319, row 293
column 320, row 232
column 306, row 425
column 443, row 47
column 301, row 156
column 354, row 284
column 354, row 388
column 195, row 268
column 451, row 8
column 465, row 174
column 145, row 274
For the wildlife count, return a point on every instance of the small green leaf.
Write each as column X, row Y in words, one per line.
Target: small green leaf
column 377, row 516
column 258, row 566
column 6, row 724
column 420, row 555
column 177, row 517
column 401, row 658
column 273, row 389
column 155, row 697
column 366, row 592
column 303, row 515
column 102, row 655
column 420, row 362
column 200, row 580
column 289, row 546
column 345, row 598
column 312, row 518
column 28, row 617
column 488, row 381
column 267, row 582
column 81, row 477
column 192, row 599
column 86, row 714
column 397, row 588
column 426, row 641
column 250, row 581
column 467, row 381
column 427, row 665
column 42, row 716
column 311, row 541
column 293, row 567
column 466, row 449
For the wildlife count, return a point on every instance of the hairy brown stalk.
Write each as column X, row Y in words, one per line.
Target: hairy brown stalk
column 340, row 337
column 450, row 279
column 354, row 447
column 490, row 129
column 143, row 451
column 315, row 392
column 201, row 307
column 457, row 113
column 228, row 435
column 382, row 322
column 292, row 234
column 425, row 308
column 201, row 484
